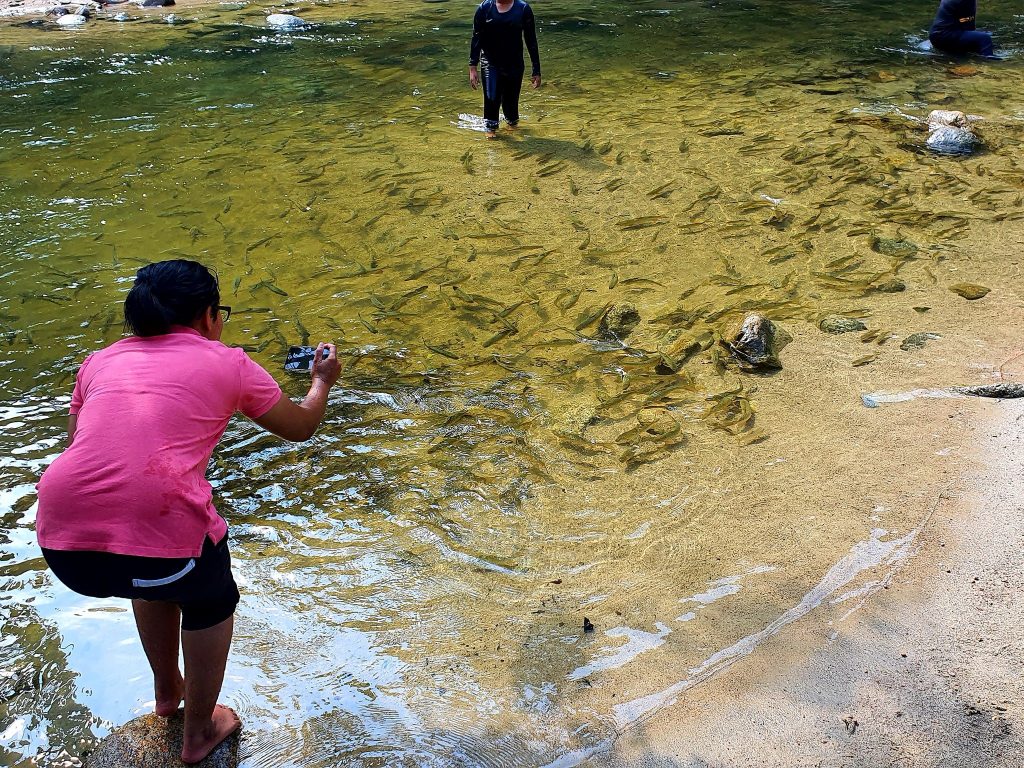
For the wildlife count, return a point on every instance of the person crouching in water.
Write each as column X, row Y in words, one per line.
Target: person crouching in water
column 953, row 30
column 126, row 510
column 499, row 29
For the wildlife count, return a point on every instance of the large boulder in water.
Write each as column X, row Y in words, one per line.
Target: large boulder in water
column 939, row 118
column 151, row 741
column 951, row 133
column 74, row 18
column 952, row 141
column 285, row 21
column 757, row 342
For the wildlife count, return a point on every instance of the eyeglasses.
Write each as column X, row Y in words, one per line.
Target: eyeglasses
column 226, row 311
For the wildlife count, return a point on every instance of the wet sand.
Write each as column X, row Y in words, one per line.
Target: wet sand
column 924, row 671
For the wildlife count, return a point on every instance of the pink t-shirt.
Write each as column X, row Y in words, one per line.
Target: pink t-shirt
column 150, row 411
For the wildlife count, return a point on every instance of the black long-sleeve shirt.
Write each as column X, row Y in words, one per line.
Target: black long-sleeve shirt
column 955, row 16
column 499, row 37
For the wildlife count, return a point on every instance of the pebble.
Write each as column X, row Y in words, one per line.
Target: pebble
column 840, row 324
column 970, row 291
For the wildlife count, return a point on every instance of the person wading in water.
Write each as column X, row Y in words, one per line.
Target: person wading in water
column 126, row 511
column 953, row 30
column 499, row 29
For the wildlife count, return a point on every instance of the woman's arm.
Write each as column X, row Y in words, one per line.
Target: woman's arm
column 475, row 47
column 72, row 426
column 530, row 38
column 298, row 421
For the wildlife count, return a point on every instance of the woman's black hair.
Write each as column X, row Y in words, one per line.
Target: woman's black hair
column 167, row 293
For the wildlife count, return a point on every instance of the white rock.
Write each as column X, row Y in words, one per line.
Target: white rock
column 951, row 140
column 71, row 20
column 285, row 21
column 940, row 117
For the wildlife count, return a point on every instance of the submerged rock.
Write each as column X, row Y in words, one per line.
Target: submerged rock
column 285, row 21
column 677, row 346
column 970, row 291
column 575, row 419
column 840, row 324
column 897, row 248
column 155, row 742
column 951, row 133
column 917, row 340
column 952, row 141
column 619, row 321
column 74, row 17
column 1002, row 390
column 891, row 286
column 963, row 70
column 758, row 342
column 156, row 3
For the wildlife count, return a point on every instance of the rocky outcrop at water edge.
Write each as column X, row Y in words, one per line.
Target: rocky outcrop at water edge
column 155, row 742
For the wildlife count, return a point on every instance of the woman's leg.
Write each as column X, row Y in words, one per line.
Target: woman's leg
column 492, row 98
column 511, row 87
column 964, row 42
column 207, row 723
column 159, row 626
column 978, row 42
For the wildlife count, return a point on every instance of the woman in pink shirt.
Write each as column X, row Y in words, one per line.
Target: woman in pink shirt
column 126, row 511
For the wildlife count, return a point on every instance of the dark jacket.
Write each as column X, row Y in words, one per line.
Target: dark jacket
column 498, row 37
column 954, row 17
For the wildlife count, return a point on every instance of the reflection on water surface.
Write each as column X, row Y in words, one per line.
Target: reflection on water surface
column 495, row 467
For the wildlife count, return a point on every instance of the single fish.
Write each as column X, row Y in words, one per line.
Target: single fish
column 642, row 222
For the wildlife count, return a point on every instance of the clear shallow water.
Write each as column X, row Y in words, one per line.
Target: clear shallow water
column 415, row 578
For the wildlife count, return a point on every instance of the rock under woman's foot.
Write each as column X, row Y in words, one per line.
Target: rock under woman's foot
column 223, row 723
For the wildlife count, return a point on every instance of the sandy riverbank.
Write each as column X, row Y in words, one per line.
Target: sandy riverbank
column 926, row 672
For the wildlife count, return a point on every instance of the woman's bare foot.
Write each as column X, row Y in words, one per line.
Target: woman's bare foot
column 169, row 699
column 222, row 724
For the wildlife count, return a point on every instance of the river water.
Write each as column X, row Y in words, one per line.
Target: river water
column 493, row 469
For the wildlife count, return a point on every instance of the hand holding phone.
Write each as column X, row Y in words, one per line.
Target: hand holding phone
column 325, row 364
column 303, row 359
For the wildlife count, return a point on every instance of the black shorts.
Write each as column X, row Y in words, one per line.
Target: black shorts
column 202, row 587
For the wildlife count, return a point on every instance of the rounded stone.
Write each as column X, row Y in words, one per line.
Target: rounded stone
column 840, row 324
column 891, row 286
column 895, row 247
column 970, row 291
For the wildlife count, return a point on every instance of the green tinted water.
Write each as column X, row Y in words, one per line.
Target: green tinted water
column 492, row 470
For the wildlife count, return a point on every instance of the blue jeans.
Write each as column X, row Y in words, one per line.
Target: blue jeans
column 973, row 41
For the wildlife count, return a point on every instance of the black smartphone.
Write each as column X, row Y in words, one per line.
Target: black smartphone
column 300, row 359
